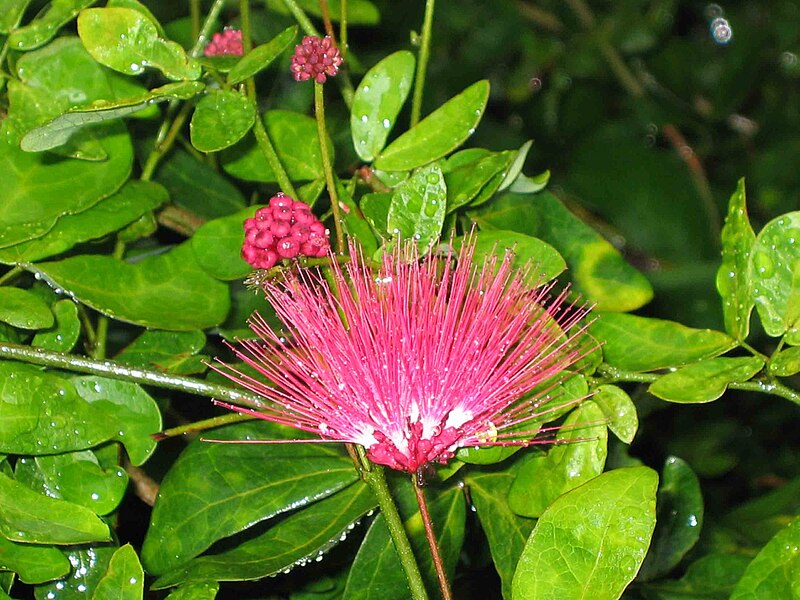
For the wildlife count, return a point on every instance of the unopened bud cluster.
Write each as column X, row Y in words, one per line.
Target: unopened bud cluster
column 285, row 229
column 315, row 58
column 227, row 43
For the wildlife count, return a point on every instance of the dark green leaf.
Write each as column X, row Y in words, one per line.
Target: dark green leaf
column 439, row 133
column 544, row 477
column 89, row 564
column 20, row 308
column 774, row 269
column 773, row 572
column 216, row 490
column 478, row 177
column 127, row 41
column 712, row 577
column 642, row 344
column 705, row 380
column 679, row 519
column 195, row 591
column 377, row 102
column 354, row 222
column 168, row 351
column 33, row 564
column 734, row 282
column 592, row 540
column 221, row 119
column 544, row 262
column 261, row 57
column 168, row 291
column 785, row 363
column 418, row 206
column 619, row 410
column 29, row 517
column 375, row 208
column 124, row 579
column 301, row 538
column 45, row 26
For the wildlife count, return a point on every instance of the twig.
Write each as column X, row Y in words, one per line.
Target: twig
column 422, row 63
column 436, row 555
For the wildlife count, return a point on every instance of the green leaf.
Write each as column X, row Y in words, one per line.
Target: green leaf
column 29, row 517
column 168, row 351
column 705, row 380
column 377, row 102
column 515, row 170
column 734, row 282
column 544, row 477
column 619, row 410
column 195, row 591
column 418, row 206
column 33, row 564
column 482, row 176
column 127, row 41
column 439, row 133
column 773, row 572
column 168, row 291
column 591, row 541
column 63, row 336
column 260, row 57
column 505, row 531
column 301, row 538
column 375, row 208
column 642, row 344
column 598, row 271
column 713, row 577
column 354, row 222
column 221, row 119
column 45, row 26
column 785, row 363
column 296, row 142
column 774, row 269
column 376, row 573
column 124, row 579
column 11, row 12
column 133, row 200
column 359, row 12
column 544, row 261
column 679, row 519
column 20, row 308
column 217, row 246
column 89, row 565
column 60, row 129
column 216, row 490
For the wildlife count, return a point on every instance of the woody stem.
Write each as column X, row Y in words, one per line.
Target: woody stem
column 444, row 584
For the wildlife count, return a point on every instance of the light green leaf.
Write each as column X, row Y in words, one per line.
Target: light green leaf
column 168, row 351
column 477, row 180
column 439, row 133
column 375, row 208
column 127, row 41
column 620, row 411
column 418, row 206
column 32, row 518
column 89, row 565
column 774, row 269
column 643, row 344
column 705, row 380
column 591, row 541
column 221, row 119
column 33, row 564
column 45, row 26
column 124, row 579
column 20, row 308
column 544, row 261
column 773, row 573
column 785, row 363
column 515, row 170
column 63, row 336
column 377, row 102
column 734, row 282
column 195, row 591
column 11, row 12
column 261, row 57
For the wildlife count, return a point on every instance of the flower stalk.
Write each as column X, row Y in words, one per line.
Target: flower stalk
column 319, row 113
column 430, row 535
column 422, row 63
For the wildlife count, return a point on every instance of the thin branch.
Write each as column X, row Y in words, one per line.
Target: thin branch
column 436, row 555
column 422, row 63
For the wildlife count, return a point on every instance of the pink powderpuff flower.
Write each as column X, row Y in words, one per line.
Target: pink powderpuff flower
column 227, row 43
column 315, row 58
column 415, row 360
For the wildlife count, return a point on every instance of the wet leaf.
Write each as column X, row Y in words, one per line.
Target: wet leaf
column 355, row 225
column 127, row 41
column 679, row 519
column 302, row 537
column 29, row 517
column 544, row 477
column 619, row 410
column 45, row 26
column 221, row 118
column 89, row 565
column 705, row 380
column 713, row 576
column 260, row 57
column 439, row 133
column 734, row 282
column 377, row 102
column 418, row 206
column 20, row 308
column 605, row 525
column 643, row 344
column 169, row 351
column 465, row 183
column 214, row 491
column 167, row 291
column 773, row 572
column 774, row 269
column 515, row 170
column 375, row 208
column 195, row 591
column 217, row 246
column 11, row 12
column 544, row 262
column 33, row 564
column 785, row 363
column 124, row 579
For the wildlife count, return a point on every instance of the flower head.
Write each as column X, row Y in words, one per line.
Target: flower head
column 315, row 58
column 286, row 228
column 414, row 360
column 227, row 43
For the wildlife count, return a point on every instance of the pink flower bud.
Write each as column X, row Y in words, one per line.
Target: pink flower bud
column 315, row 58
column 227, row 43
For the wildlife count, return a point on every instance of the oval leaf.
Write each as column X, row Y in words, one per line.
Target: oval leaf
column 45, row 26
column 218, row 246
column 89, row 565
column 377, row 102
column 543, row 261
column 33, row 564
column 418, row 206
column 439, row 133
column 261, row 57
column 124, row 579
column 705, row 380
column 591, row 541
column 773, row 572
column 619, row 410
column 221, row 119
column 20, row 308
column 63, row 336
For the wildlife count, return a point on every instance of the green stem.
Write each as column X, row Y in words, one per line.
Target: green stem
column 11, row 274
column 319, row 112
column 164, row 139
column 375, row 478
column 194, row 12
column 101, row 337
column 422, row 63
column 205, row 30
column 225, row 419
column 343, row 29
column 438, row 563
column 114, row 370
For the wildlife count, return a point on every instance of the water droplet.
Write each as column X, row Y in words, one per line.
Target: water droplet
column 387, row 123
column 364, row 118
column 721, row 30
column 692, row 521
column 763, row 264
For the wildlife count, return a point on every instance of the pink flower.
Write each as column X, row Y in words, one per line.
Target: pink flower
column 227, row 43
column 315, row 58
column 414, row 360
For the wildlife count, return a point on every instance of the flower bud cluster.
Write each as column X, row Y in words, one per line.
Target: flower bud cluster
column 315, row 58
column 285, row 229
column 227, row 43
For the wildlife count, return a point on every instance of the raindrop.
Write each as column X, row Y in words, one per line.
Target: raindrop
column 364, row 118
column 721, row 30
column 535, row 84
column 692, row 521
column 387, row 123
